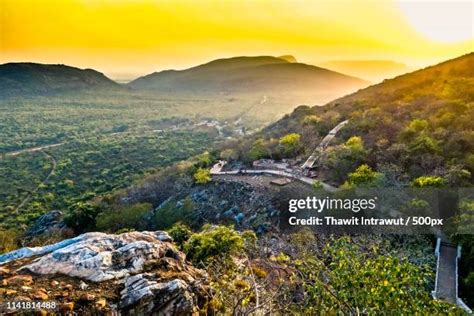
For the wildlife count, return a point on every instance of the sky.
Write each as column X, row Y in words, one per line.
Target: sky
column 128, row 38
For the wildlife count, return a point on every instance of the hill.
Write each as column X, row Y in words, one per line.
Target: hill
column 29, row 79
column 418, row 124
column 372, row 70
column 263, row 75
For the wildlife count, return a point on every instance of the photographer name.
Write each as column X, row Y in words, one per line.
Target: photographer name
column 363, row 221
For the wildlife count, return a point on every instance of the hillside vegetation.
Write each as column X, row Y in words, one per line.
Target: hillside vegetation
column 414, row 125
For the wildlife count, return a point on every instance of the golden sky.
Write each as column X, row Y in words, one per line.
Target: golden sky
column 134, row 37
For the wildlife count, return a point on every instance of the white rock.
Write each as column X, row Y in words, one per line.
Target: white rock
column 97, row 256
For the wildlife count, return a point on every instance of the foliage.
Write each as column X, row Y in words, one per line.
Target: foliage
column 180, row 233
column 317, row 185
column 364, row 176
column 355, row 143
column 258, row 150
column 311, row 120
column 172, row 212
column 340, row 160
column 229, row 155
column 82, row 216
column 127, row 216
column 428, row 181
column 291, row 144
column 213, row 242
column 349, row 279
column 462, row 227
column 9, row 240
column 202, row 176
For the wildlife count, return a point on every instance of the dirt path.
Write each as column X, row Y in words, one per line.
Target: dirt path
column 45, row 180
column 30, row 150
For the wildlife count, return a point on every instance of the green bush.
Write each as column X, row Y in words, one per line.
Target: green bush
column 202, row 176
column 81, row 218
column 213, row 242
column 364, row 176
column 291, row 143
column 428, row 181
column 180, row 233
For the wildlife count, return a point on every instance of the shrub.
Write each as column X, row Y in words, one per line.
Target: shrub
column 9, row 240
column 180, row 233
column 81, row 217
column 291, row 143
column 213, row 242
column 202, row 176
column 364, row 176
column 258, row 150
column 317, row 185
column 428, row 181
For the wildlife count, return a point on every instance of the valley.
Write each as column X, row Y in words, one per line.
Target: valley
column 148, row 156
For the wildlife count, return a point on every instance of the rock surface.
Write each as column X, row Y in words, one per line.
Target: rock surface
column 135, row 272
column 47, row 223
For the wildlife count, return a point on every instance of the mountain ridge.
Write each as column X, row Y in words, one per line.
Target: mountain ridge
column 27, row 78
column 248, row 74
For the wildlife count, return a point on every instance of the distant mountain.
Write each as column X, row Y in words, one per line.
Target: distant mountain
column 29, row 79
column 263, row 75
column 373, row 70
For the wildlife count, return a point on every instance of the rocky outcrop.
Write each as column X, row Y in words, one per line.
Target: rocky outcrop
column 47, row 223
column 224, row 202
column 135, row 272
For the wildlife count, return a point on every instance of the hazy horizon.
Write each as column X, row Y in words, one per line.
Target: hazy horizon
column 128, row 39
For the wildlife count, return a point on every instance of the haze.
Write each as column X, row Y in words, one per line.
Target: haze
column 128, row 38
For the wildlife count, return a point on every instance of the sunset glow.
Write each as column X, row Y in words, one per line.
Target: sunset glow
column 128, row 38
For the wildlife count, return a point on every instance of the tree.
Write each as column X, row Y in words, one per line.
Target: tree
column 258, row 150
column 291, row 143
column 355, row 144
column 414, row 128
column 202, row 176
column 311, row 120
column 81, row 217
column 229, row 154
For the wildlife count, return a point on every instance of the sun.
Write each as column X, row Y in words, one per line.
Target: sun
column 441, row 21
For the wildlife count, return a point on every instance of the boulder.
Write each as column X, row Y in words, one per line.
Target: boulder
column 47, row 223
column 143, row 273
